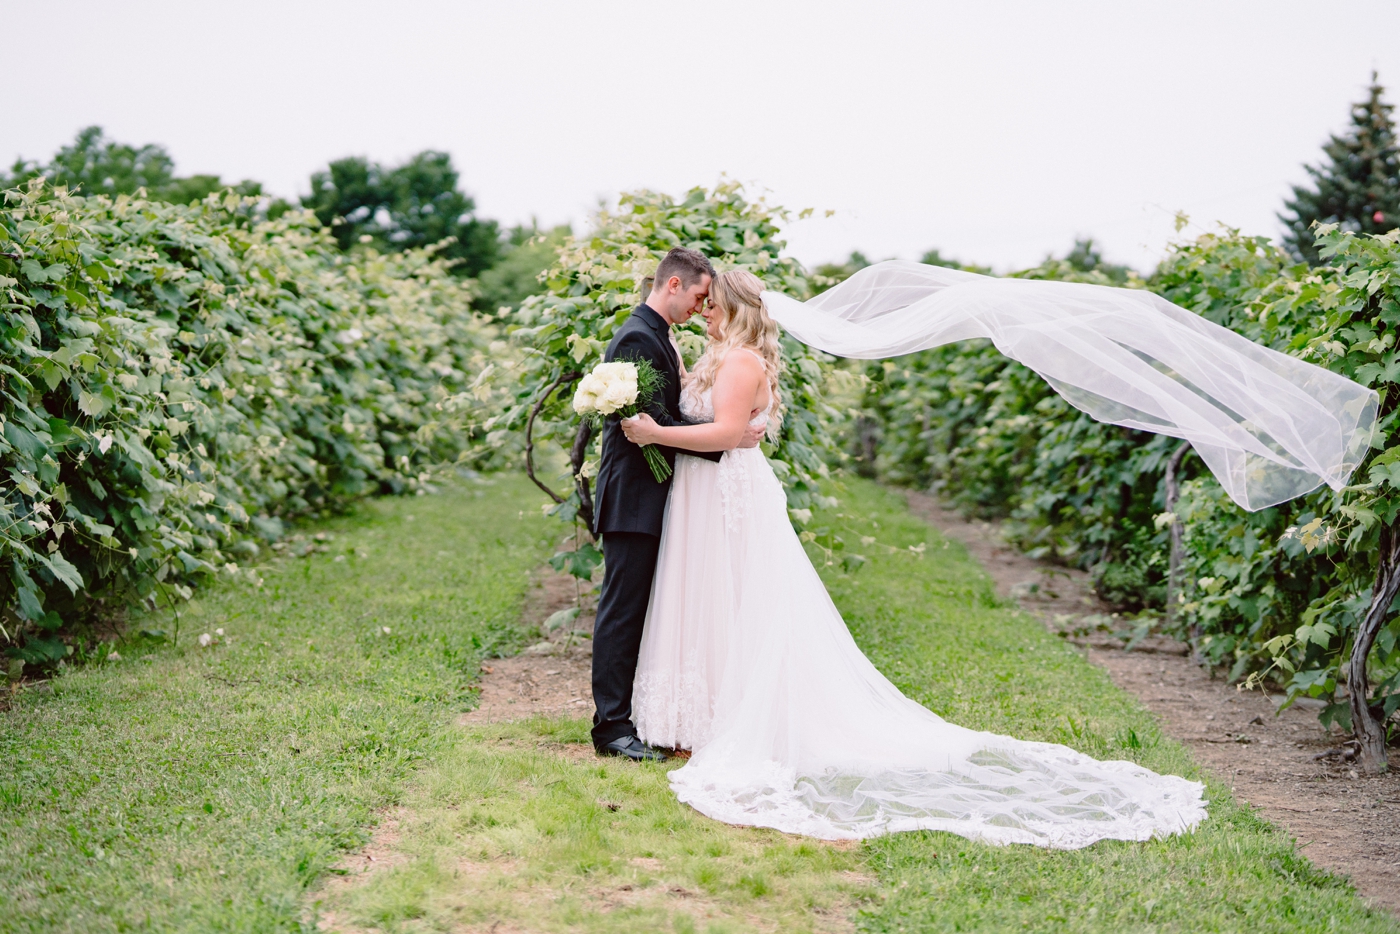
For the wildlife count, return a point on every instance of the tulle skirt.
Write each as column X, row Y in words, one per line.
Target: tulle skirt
column 746, row 661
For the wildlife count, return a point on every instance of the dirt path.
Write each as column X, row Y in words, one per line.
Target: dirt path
column 1345, row 822
column 551, row 678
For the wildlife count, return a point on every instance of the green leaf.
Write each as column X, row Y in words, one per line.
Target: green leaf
column 1385, row 473
column 31, row 606
column 43, row 651
column 559, row 619
column 567, row 510
column 60, row 431
column 580, row 563
column 25, row 440
column 63, row 570
column 94, row 404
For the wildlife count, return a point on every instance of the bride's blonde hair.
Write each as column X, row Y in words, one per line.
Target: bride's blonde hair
column 743, row 322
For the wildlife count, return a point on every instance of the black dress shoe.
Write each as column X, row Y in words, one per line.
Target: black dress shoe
column 632, row 748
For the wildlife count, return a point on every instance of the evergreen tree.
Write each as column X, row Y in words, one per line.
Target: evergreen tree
column 1359, row 184
column 1085, row 257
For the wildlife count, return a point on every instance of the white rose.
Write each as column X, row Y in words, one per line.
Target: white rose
column 620, row 393
column 609, row 387
column 585, row 402
column 618, row 369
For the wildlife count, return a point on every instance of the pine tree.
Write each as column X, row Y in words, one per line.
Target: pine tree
column 1358, row 186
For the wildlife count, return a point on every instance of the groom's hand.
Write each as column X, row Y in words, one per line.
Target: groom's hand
column 752, row 435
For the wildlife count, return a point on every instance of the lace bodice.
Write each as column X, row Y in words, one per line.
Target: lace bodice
column 734, row 480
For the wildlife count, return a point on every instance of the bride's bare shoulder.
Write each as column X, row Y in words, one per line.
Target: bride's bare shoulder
column 742, row 363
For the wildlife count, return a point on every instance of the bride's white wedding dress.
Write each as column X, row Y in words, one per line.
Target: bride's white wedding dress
column 746, row 661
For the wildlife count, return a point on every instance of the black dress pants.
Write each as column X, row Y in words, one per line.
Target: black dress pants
column 629, row 565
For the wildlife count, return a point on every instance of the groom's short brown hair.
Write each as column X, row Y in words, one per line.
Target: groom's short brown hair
column 688, row 265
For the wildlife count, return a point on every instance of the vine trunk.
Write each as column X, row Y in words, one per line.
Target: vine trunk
column 1367, row 724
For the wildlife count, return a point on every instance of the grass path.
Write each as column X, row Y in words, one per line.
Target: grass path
column 189, row 789
column 212, row 789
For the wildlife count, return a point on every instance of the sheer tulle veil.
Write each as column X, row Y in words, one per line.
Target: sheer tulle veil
column 1269, row 426
column 746, row 658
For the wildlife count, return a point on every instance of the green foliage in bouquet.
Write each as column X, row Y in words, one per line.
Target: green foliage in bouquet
column 173, row 378
column 640, row 384
column 593, row 289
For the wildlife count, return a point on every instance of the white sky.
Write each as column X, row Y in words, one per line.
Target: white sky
column 995, row 131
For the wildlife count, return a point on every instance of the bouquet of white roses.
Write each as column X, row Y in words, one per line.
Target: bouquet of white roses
column 623, row 387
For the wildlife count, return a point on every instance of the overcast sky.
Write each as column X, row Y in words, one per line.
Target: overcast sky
column 995, row 131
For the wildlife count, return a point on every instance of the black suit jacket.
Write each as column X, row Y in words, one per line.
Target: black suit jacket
column 628, row 498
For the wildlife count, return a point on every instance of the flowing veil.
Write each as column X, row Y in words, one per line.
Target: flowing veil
column 793, row 727
column 1269, row 426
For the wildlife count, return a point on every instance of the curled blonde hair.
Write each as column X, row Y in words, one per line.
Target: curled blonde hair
column 743, row 322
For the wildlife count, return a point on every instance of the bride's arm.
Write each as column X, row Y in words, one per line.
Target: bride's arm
column 736, row 387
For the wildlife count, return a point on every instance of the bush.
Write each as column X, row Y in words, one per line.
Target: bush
column 992, row 437
column 1282, row 592
column 593, row 289
column 175, row 377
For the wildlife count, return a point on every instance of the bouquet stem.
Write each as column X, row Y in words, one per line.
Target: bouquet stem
column 657, row 462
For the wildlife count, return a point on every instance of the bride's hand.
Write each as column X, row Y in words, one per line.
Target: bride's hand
column 640, row 429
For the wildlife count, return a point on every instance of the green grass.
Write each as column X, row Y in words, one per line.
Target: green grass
column 211, row 789
column 511, row 827
column 938, row 634
column 205, row 789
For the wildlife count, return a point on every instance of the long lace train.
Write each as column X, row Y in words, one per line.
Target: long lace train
column 746, row 661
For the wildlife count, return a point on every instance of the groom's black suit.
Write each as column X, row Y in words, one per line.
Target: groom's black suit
column 629, row 505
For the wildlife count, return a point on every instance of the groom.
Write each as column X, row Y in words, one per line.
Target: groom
column 629, row 502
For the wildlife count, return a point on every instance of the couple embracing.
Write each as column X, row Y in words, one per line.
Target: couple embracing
column 715, row 634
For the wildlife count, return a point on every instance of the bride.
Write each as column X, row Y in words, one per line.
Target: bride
column 746, row 661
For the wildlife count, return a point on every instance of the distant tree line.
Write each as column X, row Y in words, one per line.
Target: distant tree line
column 393, row 208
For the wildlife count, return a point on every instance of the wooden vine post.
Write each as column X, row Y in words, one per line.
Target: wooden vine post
column 577, row 455
column 563, row 379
